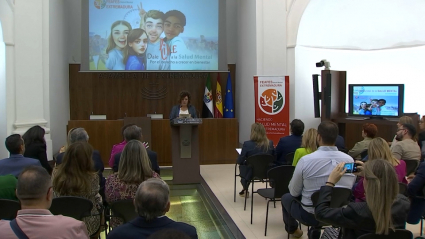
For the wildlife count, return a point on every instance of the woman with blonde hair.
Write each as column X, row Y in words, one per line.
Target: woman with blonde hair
column 383, row 211
column 76, row 176
column 378, row 149
column 258, row 144
column 134, row 168
column 308, row 145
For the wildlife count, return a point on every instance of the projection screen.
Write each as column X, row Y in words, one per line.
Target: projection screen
column 153, row 35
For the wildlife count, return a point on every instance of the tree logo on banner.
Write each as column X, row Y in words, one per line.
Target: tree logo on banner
column 271, row 101
column 99, row 4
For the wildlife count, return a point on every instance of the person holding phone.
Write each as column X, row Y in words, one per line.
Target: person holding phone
column 378, row 214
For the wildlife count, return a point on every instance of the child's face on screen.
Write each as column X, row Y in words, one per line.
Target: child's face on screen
column 172, row 27
column 139, row 45
column 154, row 28
column 119, row 34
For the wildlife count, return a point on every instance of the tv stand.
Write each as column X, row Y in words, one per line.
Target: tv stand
column 375, row 118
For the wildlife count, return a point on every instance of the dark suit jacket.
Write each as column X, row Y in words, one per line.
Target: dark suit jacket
column 415, row 192
column 286, row 145
column 340, row 143
column 37, row 150
column 176, row 109
column 139, row 228
column 98, row 165
column 15, row 163
column 356, row 219
column 152, row 157
column 250, row 148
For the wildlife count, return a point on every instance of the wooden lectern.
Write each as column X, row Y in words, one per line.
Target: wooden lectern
column 185, row 154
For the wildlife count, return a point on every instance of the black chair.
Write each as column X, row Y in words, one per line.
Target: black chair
column 281, row 176
column 339, row 198
column 289, row 158
column 124, row 209
column 411, row 166
column 9, row 209
column 75, row 207
column 402, row 188
column 234, row 189
column 397, row 234
column 259, row 165
column 363, row 154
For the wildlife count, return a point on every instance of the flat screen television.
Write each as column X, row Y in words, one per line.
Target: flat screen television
column 376, row 100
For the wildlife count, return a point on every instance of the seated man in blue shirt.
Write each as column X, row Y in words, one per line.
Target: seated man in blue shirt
column 311, row 173
column 16, row 162
column 289, row 144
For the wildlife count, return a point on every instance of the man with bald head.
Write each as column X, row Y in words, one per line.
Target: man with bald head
column 34, row 191
column 152, row 201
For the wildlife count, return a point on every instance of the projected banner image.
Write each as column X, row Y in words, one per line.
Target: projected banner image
column 153, row 35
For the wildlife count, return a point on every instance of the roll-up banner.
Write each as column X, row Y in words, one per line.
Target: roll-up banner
column 272, row 105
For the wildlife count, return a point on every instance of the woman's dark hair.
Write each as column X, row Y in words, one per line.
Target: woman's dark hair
column 132, row 37
column 34, row 134
column 184, row 94
column 360, row 107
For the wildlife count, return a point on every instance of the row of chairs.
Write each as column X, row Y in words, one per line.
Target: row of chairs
column 77, row 208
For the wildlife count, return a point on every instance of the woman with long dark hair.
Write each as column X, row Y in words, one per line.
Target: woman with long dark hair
column 35, row 146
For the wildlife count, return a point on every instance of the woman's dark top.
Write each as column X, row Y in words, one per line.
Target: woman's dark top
column 176, row 109
column 421, row 138
column 37, row 150
column 250, row 148
column 356, row 218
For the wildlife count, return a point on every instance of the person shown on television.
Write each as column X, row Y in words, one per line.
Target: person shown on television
column 117, row 41
column 382, row 107
column 134, row 53
column 183, row 108
column 174, row 24
column 374, row 107
column 153, row 23
column 363, row 108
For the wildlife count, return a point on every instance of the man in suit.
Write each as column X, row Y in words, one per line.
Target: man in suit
column 289, row 144
column 151, row 203
column 34, row 190
column 16, row 162
column 80, row 135
column 134, row 132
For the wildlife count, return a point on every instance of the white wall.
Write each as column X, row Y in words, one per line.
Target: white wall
column 59, row 75
column 73, row 19
column 3, row 98
column 231, row 30
column 384, row 45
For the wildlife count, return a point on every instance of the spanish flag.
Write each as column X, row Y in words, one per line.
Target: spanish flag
column 218, row 108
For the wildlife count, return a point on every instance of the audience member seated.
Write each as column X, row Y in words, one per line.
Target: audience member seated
column 340, row 144
column 369, row 132
column 34, row 190
column 117, row 148
column 258, row 144
column 421, row 135
column 8, row 187
column 134, row 169
column 16, row 162
column 80, row 135
column 134, row 132
column 417, row 198
column 169, row 234
column 384, row 209
column 35, row 146
column 311, row 173
column 76, row 177
column 308, row 145
column 289, row 144
column 151, row 202
column 379, row 149
column 406, row 148
column 401, row 121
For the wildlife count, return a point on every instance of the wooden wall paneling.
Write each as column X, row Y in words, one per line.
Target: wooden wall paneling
column 161, row 141
column 80, row 93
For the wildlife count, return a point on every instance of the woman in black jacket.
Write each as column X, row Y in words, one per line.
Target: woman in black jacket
column 384, row 210
column 35, row 146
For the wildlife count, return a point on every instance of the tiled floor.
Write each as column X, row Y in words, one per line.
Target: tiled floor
column 221, row 180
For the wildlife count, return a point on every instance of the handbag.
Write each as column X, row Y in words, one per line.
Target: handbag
column 330, row 233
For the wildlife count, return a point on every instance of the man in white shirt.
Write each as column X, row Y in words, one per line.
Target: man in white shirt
column 310, row 174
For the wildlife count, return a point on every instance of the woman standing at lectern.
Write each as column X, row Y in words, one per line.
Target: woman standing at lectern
column 184, row 107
